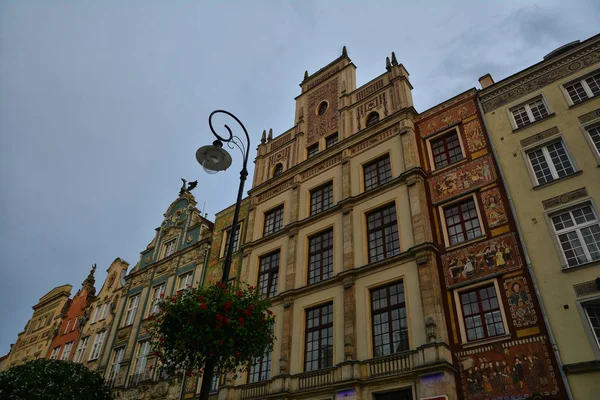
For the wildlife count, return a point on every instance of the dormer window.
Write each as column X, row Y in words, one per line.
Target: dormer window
column 170, row 247
column 278, row 170
column 372, row 118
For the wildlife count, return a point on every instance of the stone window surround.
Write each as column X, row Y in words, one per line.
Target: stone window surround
column 443, row 220
column 584, row 129
column 438, row 135
column 511, row 118
column 365, row 163
column 225, row 236
column 586, row 325
column 545, row 142
column 573, row 81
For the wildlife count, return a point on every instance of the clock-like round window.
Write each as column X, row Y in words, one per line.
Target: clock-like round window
column 322, row 108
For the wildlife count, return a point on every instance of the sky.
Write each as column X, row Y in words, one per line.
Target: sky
column 104, row 103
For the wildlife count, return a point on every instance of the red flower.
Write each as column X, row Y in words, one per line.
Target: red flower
column 188, row 374
column 247, row 312
column 203, row 306
column 251, row 288
column 262, row 321
column 226, row 291
column 239, row 293
column 241, row 319
column 226, row 320
column 251, row 307
column 227, row 305
column 156, row 353
column 269, row 312
column 219, row 317
column 162, row 295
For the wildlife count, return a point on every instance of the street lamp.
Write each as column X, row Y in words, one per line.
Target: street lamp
column 215, row 158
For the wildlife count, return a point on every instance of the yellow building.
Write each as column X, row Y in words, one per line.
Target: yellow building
column 34, row 341
column 544, row 123
column 338, row 235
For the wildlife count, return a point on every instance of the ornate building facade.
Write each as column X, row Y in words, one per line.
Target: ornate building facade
column 66, row 334
column 544, row 124
column 34, row 341
column 174, row 260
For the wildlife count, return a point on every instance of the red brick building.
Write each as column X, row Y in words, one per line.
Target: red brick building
column 495, row 324
column 65, row 337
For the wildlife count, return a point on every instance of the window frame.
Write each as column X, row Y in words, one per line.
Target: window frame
column 182, row 283
column 439, row 136
column 277, row 170
column 75, row 324
column 67, row 327
column 131, row 311
column 310, row 150
column 398, row 248
column 594, row 125
column 322, row 272
column 104, row 311
column 266, row 215
column 388, row 310
column 543, row 145
column 227, row 235
column 272, row 273
column 257, row 376
column 158, row 292
column 461, row 318
column 80, row 350
column 328, row 139
column 97, row 345
column 170, row 247
column 115, row 366
column 585, row 86
column 321, row 206
column 458, row 202
column 527, row 105
column 67, row 350
column 319, row 328
column 555, row 234
column 54, row 353
column 381, row 171
column 96, row 313
column 368, row 122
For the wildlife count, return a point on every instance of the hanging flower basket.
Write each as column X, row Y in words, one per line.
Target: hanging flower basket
column 230, row 324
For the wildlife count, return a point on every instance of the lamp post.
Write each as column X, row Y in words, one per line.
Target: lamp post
column 215, row 158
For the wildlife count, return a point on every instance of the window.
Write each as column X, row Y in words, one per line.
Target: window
column 142, row 357
column 312, row 151
column 446, row 150
column 331, row 140
column 236, row 238
column 185, row 281
column 75, row 324
column 273, row 221
column 318, row 349
column 260, row 370
column 115, row 365
column 481, row 313
column 170, row 247
column 525, row 114
column 131, row 310
column 54, row 354
column 66, row 351
column 584, row 89
column 278, row 170
column 214, row 383
column 96, row 312
column 372, row 119
column 158, row 293
column 595, row 137
column 390, row 328
column 592, row 311
column 67, row 327
column 377, row 172
column 268, row 274
column 321, row 198
column 462, row 222
column 382, row 231
column 81, row 346
column 550, row 162
column 105, row 307
column 97, row 346
column 578, row 232
column 320, row 256
column 322, row 108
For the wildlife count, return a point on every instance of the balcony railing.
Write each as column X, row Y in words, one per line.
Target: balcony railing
column 256, row 390
column 311, row 380
column 389, row 365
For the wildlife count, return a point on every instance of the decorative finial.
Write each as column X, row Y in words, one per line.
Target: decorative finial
column 305, row 75
column 88, row 283
column 263, row 138
column 344, row 51
column 388, row 66
column 270, row 137
column 394, row 61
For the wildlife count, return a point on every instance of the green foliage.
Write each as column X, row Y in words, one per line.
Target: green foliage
column 51, row 380
column 231, row 325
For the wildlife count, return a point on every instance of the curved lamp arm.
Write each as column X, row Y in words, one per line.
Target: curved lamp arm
column 232, row 139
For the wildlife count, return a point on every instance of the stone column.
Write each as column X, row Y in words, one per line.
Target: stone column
column 286, row 337
column 349, row 319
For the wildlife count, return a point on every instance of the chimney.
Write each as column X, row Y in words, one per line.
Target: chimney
column 486, row 81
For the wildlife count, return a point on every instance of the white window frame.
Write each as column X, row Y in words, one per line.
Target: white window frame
column 95, row 317
column 104, row 311
column 132, row 306
column 67, row 327
column 54, row 354
column 439, row 136
column 588, row 137
column 141, row 358
column 97, row 346
column 75, row 324
column 442, row 216
column 527, row 106
column 170, row 247
column 576, row 228
column 115, row 364
column 66, row 351
column 157, row 294
column 81, row 347
column 183, row 280
column 584, row 84
column 544, row 146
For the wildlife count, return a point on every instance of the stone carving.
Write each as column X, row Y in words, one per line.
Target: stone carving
column 366, row 144
column 282, row 156
column 592, row 115
column 458, row 180
column 474, row 134
column 512, row 370
column 565, row 198
column 493, row 207
column 321, row 125
column 521, row 306
column 369, row 90
column 586, row 288
column 274, row 191
column 481, row 259
column 540, row 136
column 281, row 140
column 123, row 334
column 322, row 167
column 447, row 118
column 322, row 78
column 378, row 102
column 540, row 78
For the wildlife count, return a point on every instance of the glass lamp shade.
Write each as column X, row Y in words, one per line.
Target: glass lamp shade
column 213, row 158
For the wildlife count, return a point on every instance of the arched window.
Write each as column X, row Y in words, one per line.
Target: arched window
column 372, row 118
column 278, row 170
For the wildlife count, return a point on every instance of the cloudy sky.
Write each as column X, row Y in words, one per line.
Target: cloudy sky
column 104, row 103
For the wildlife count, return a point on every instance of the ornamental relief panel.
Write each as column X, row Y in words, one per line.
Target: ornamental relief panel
column 494, row 207
column 322, row 125
column 522, row 310
column 282, row 156
column 447, row 118
column 461, row 179
column 377, row 103
column 474, row 135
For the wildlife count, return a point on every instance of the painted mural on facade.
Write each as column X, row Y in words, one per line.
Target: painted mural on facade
column 509, row 370
column 520, row 301
column 494, row 207
column 482, row 259
column 450, row 117
column 474, row 174
column 474, row 134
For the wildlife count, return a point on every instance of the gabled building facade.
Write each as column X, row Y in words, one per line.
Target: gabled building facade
column 66, row 335
column 34, row 341
column 544, row 124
